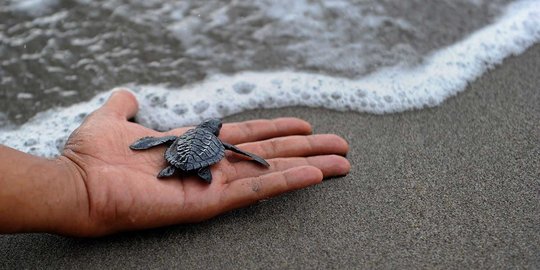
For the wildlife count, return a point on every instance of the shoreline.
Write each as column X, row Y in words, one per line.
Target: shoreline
column 454, row 186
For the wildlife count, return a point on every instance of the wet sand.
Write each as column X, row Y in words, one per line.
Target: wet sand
column 456, row 186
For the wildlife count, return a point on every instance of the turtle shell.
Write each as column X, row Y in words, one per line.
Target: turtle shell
column 197, row 148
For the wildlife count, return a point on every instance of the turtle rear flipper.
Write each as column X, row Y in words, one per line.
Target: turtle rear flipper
column 147, row 142
column 167, row 172
column 205, row 174
column 240, row 151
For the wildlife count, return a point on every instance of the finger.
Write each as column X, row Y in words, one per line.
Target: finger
column 330, row 165
column 121, row 104
column 255, row 130
column 251, row 190
column 298, row 146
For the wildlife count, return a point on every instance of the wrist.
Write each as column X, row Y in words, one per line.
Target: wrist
column 71, row 206
column 40, row 195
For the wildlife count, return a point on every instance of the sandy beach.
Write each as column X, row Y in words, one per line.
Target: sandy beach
column 455, row 186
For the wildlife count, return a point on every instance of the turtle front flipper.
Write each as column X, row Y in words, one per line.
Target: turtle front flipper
column 167, row 172
column 147, row 142
column 205, row 174
column 240, row 151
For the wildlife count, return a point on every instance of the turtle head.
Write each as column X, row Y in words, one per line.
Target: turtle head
column 213, row 125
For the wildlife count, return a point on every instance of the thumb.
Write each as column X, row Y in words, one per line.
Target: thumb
column 122, row 104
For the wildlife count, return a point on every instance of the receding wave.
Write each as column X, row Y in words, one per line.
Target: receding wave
column 440, row 75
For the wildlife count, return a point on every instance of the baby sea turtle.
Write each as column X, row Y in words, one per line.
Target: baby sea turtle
column 195, row 150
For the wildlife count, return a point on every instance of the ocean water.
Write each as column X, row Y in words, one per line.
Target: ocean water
column 190, row 60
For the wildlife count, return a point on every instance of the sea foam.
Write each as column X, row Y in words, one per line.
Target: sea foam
column 442, row 74
column 33, row 7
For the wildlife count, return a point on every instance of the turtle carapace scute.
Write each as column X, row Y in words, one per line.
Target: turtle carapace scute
column 195, row 150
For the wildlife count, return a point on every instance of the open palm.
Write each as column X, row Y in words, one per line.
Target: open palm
column 123, row 192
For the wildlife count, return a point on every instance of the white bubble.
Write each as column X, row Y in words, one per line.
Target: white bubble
column 361, row 93
column 336, row 95
column 34, row 7
column 30, row 142
column 200, row 106
column 23, row 95
column 180, row 109
column 277, row 82
column 243, row 87
column 222, row 108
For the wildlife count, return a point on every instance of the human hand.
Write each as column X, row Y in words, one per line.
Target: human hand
column 118, row 186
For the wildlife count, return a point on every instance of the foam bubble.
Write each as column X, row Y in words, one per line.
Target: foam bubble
column 243, row 87
column 200, row 106
column 34, row 7
column 180, row 109
column 443, row 74
column 24, row 95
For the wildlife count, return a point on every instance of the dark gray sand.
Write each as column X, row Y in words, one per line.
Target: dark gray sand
column 456, row 186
